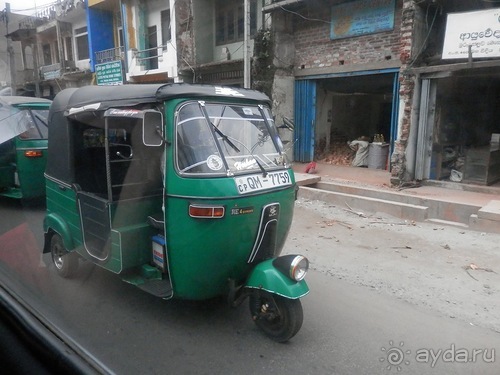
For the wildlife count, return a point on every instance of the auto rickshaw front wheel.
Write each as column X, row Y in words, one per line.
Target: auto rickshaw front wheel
column 66, row 262
column 278, row 317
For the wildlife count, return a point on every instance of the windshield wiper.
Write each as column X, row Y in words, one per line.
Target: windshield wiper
column 41, row 119
column 216, row 129
column 225, row 138
column 264, row 172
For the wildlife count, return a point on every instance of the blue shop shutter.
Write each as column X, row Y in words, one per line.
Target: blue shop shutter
column 395, row 114
column 304, row 118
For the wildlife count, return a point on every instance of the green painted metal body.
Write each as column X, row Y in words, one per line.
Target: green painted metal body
column 216, row 250
column 30, row 170
column 130, row 235
column 62, row 214
column 266, row 277
column 22, row 176
column 202, row 254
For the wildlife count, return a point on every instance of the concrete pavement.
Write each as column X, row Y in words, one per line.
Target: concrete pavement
column 362, row 189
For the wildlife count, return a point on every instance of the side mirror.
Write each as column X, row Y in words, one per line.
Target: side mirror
column 152, row 128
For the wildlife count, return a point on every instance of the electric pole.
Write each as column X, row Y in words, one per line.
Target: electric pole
column 10, row 51
column 246, row 44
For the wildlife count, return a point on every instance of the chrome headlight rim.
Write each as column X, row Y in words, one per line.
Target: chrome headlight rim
column 293, row 266
column 299, row 267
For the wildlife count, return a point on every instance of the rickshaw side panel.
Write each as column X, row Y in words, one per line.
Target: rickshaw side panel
column 31, row 169
column 130, row 233
column 30, row 181
column 6, row 176
column 7, row 158
column 62, row 214
column 130, row 236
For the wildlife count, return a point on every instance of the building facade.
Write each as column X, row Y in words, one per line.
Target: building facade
column 394, row 70
column 78, row 42
column 54, row 53
column 419, row 78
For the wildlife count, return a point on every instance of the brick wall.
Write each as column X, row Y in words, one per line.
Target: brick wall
column 406, row 90
column 315, row 49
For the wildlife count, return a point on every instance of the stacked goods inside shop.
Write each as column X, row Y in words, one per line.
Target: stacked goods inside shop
column 338, row 153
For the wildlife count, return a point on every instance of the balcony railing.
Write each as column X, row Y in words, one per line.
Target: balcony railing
column 30, row 23
column 150, row 53
column 46, row 14
column 108, row 55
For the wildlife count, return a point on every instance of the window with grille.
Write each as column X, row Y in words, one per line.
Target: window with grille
column 230, row 21
column 82, row 43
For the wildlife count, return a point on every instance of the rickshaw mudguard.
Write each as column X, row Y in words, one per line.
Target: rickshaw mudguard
column 57, row 224
column 267, row 277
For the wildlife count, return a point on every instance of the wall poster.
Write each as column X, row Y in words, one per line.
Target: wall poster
column 361, row 17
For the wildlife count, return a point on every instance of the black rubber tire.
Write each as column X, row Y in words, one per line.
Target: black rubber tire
column 66, row 263
column 284, row 320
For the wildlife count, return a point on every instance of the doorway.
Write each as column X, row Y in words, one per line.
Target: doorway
column 346, row 107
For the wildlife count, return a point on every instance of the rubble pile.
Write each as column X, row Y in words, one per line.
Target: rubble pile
column 339, row 154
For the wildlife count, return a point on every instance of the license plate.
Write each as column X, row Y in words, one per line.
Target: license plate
column 257, row 182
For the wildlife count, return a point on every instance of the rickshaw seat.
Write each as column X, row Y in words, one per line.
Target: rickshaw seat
column 156, row 221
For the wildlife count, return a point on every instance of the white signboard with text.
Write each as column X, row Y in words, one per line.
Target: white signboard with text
column 480, row 30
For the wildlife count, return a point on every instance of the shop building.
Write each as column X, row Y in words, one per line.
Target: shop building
column 345, row 60
column 371, row 68
column 455, row 117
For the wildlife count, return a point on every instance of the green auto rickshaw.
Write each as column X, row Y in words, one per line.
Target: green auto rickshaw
column 183, row 190
column 23, row 146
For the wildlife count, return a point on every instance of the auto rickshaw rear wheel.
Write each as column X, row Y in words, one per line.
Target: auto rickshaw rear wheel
column 278, row 317
column 66, row 262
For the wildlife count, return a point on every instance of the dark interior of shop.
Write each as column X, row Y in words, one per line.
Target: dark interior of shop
column 361, row 106
column 466, row 129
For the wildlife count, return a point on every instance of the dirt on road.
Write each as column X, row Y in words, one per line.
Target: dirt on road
column 451, row 270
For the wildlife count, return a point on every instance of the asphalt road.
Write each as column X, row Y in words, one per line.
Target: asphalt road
column 362, row 316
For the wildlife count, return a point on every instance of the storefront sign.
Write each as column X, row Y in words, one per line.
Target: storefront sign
column 362, row 17
column 478, row 31
column 110, row 73
column 52, row 74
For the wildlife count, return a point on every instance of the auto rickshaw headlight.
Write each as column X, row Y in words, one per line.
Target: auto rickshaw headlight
column 299, row 267
column 294, row 266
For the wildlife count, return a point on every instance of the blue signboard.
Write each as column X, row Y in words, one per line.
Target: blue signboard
column 362, row 17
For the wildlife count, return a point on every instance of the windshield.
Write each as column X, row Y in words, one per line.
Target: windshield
column 36, row 123
column 226, row 139
column 27, row 123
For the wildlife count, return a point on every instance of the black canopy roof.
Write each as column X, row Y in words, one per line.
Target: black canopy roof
column 131, row 95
